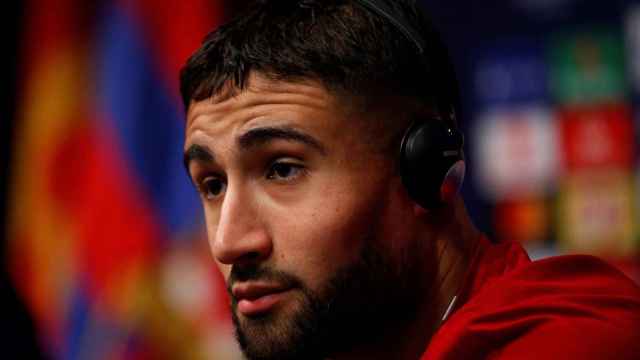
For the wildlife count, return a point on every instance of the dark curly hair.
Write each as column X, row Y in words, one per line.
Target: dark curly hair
column 342, row 44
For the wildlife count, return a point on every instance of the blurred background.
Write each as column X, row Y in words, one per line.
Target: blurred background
column 103, row 248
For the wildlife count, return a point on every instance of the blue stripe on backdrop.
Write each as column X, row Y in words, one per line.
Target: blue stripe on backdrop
column 146, row 118
column 92, row 332
column 77, row 323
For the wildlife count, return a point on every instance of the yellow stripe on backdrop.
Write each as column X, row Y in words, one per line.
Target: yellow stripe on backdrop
column 40, row 234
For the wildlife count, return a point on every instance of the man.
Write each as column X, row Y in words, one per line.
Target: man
column 321, row 136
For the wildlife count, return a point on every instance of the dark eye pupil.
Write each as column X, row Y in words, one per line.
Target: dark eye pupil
column 214, row 187
column 282, row 170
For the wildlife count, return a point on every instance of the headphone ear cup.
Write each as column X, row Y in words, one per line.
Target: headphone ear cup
column 431, row 162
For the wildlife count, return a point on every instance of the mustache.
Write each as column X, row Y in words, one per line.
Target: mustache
column 254, row 272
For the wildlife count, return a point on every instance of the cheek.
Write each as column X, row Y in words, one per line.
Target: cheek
column 398, row 224
column 322, row 234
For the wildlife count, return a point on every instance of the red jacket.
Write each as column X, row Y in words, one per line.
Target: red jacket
column 566, row 307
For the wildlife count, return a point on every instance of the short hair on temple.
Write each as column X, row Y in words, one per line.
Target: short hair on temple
column 340, row 43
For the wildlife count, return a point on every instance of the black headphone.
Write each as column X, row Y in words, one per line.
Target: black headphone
column 431, row 160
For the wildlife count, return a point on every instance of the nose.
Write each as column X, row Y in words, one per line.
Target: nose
column 240, row 234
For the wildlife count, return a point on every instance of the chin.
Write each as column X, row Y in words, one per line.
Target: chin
column 281, row 333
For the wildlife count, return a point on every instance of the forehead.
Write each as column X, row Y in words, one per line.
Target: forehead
column 261, row 91
column 305, row 106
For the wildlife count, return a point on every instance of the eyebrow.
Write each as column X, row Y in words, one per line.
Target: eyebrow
column 262, row 135
column 252, row 138
column 198, row 153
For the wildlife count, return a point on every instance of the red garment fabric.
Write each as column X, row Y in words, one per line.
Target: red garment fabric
column 565, row 307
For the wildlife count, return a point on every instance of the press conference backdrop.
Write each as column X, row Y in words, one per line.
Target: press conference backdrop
column 105, row 244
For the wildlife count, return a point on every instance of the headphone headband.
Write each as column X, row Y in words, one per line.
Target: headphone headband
column 445, row 97
column 432, row 165
column 395, row 18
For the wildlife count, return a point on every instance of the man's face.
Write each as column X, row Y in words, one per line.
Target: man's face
column 306, row 220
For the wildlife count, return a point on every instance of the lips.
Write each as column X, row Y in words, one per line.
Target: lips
column 258, row 298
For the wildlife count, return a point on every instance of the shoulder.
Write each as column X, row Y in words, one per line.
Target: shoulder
column 574, row 279
column 579, row 338
column 584, row 308
column 561, row 307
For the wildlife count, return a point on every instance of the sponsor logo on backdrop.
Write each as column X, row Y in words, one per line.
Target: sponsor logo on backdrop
column 516, row 152
column 588, row 68
column 596, row 213
column 597, row 137
column 510, row 74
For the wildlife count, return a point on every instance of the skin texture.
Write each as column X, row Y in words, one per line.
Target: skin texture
column 310, row 211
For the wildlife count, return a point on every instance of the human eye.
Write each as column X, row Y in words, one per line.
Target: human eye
column 285, row 170
column 211, row 187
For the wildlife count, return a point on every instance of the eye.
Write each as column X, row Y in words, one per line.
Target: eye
column 211, row 187
column 284, row 170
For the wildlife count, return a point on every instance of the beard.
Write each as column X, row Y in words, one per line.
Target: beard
column 360, row 304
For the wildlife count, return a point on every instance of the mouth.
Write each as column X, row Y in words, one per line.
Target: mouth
column 255, row 299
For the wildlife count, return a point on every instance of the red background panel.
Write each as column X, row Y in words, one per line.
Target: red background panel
column 596, row 137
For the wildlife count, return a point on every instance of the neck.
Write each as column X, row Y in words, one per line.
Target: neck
column 452, row 249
